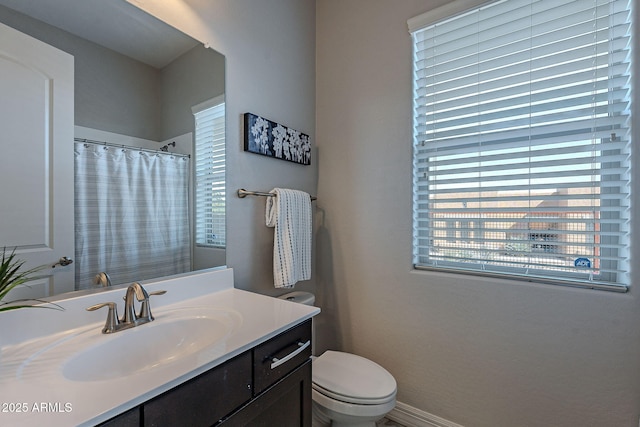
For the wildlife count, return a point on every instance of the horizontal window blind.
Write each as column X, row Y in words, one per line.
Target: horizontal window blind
column 210, row 176
column 522, row 141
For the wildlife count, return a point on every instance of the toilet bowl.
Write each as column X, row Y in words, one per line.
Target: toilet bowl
column 347, row 390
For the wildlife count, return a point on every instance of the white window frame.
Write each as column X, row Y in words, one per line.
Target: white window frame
column 615, row 277
column 209, row 173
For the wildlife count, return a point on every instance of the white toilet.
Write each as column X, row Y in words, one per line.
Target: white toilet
column 347, row 390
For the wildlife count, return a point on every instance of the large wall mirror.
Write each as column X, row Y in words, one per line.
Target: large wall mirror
column 138, row 83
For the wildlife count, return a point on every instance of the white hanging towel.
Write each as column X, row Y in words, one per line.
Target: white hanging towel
column 289, row 211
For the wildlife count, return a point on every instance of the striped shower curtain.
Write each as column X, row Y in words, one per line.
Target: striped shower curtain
column 131, row 214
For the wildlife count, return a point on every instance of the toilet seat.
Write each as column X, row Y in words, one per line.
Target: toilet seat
column 351, row 409
column 350, row 399
column 352, row 379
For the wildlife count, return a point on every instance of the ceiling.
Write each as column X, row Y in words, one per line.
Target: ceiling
column 112, row 24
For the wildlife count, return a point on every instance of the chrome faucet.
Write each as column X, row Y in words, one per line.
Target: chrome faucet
column 134, row 292
column 141, row 295
column 102, row 279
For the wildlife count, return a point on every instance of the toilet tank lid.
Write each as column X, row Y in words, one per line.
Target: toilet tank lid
column 301, row 297
column 352, row 376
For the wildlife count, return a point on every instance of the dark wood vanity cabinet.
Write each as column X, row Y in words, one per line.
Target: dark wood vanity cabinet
column 285, row 404
column 131, row 418
column 252, row 389
column 282, row 394
column 204, row 399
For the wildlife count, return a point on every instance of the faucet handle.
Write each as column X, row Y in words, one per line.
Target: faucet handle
column 124, row 298
column 145, row 308
column 157, row 293
column 112, row 316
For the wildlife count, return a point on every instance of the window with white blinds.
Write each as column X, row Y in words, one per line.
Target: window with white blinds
column 522, row 140
column 210, row 174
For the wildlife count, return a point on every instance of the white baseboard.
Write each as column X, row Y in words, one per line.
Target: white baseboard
column 414, row 417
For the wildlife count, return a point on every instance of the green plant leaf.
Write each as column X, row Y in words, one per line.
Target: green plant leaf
column 6, row 306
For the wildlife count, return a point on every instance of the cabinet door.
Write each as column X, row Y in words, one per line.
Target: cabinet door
column 131, row 418
column 285, row 404
column 205, row 399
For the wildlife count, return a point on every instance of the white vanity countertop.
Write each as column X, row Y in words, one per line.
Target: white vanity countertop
column 34, row 390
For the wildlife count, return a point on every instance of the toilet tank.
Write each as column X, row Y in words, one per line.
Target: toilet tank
column 306, row 298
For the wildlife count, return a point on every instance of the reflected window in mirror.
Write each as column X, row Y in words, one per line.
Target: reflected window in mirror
column 209, row 160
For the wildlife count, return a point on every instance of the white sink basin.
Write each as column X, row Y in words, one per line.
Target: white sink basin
column 145, row 347
column 174, row 336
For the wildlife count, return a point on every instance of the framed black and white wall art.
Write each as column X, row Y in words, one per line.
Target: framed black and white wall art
column 262, row 136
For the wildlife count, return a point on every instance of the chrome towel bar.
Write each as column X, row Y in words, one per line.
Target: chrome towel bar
column 242, row 193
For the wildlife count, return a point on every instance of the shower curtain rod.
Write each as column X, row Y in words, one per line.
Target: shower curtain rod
column 127, row 147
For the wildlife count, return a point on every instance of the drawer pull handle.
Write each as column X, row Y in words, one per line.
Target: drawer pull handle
column 275, row 362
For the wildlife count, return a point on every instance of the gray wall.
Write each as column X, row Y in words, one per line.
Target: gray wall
column 194, row 77
column 112, row 92
column 269, row 48
column 478, row 352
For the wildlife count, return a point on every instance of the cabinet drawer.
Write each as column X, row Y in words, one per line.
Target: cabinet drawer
column 280, row 355
column 205, row 399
